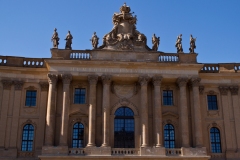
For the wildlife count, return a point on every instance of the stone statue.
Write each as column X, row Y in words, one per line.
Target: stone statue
column 55, row 38
column 94, row 40
column 155, row 42
column 68, row 39
column 179, row 44
column 192, row 44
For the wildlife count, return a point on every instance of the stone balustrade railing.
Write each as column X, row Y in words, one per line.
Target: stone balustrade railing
column 221, row 68
column 25, row 154
column 218, row 156
column 168, row 58
column 22, row 62
column 76, row 151
column 125, row 151
column 173, row 151
column 77, row 55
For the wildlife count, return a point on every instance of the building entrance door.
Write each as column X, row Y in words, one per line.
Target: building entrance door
column 124, row 128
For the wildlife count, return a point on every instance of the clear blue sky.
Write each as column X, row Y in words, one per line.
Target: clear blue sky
column 26, row 26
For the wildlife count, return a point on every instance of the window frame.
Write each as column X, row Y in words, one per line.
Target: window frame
column 31, row 98
column 28, row 141
column 215, row 108
column 167, row 97
column 170, row 140
column 215, row 143
column 83, row 139
column 85, row 95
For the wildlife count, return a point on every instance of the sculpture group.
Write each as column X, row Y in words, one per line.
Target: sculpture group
column 124, row 36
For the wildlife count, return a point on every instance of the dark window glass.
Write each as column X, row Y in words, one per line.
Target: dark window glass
column 79, row 95
column 31, row 97
column 169, row 136
column 167, row 97
column 212, row 102
column 215, row 140
column 27, row 137
column 124, row 128
column 78, row 135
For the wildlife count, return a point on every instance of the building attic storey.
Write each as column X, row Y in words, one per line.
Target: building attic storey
column 120, row 100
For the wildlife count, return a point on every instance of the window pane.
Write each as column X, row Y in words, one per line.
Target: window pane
column 78, row 135
column 27, row 137
column 31, row 97
column 168, row 97
column 79, row 96
column 212, row 102
column 215, row 140
column 169, row 136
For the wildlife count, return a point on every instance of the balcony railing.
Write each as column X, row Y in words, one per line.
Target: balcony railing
column 76, row 151
column 218, row 156
column 77, row 55
column 168, row 58
column 173, row 151
column 125, row 151
column 25, row 154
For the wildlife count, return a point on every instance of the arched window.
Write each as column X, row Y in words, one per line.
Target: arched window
column 27, row 137
column 215, row 140
column 124, row 128
column 169, row 136
column 78, row 135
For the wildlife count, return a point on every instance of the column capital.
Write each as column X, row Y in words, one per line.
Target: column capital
column 201, row 89
column 66, row 78
column 18, row 85
column 195, row 81
column 182, row 81
column 44, row 86
column 52, row 78
column 223, row 90
column 143, row 80
column 7, row 84
column 234, row 90
column 92, row 79
column 106, row 79
column 157, row 80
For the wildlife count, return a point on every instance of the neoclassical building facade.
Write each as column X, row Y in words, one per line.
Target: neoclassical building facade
column 121, row 100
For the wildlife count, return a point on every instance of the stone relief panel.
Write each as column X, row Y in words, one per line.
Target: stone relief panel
column 124, row 90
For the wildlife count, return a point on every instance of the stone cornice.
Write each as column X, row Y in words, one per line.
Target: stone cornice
column 143, row 80
column 234, row 90
column 18, row 85
column 223, row 90
column 195, row 81
column 44, row 86
column 52, row 78
column 157, row 80
column 66, row 78
column 182, row 81
column 7, row 84
column 92, row 79
column 106, row 79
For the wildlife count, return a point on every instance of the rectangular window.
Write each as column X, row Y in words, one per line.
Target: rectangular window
column 212, row 102
column 79, row 96
column 168, row 97
column 31, row 97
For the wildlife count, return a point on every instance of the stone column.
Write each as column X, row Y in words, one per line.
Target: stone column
column 51, row 110
column 198, row 134
column 158, row 111
column 236, row 111
column 7, row 84
column 106, row 80
column 143, row 80
column 182, row 81
column 66, row 79
column 92, row 79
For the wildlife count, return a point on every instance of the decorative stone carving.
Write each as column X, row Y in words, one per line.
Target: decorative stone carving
column 155, row 42
column 192, row 44
column 55, row 38
column 92, row 79
column 182, row 81
column 124, row 90
column 211, row 92
column 124, row 35
column 94, row 40
column 201, row 89
column 7, row 84
column 143, row 80
column 66, row 78
column 52, row 78
column 31, row 88
column 195, row 81
column 18, row 85
column 179, row 44
column 157, row 80
column 68, row 39
column 106, row 79
column 223, row 90
column 44, row 86
column 234, row 90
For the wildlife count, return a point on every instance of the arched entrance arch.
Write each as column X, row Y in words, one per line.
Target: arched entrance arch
column 124, row 128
